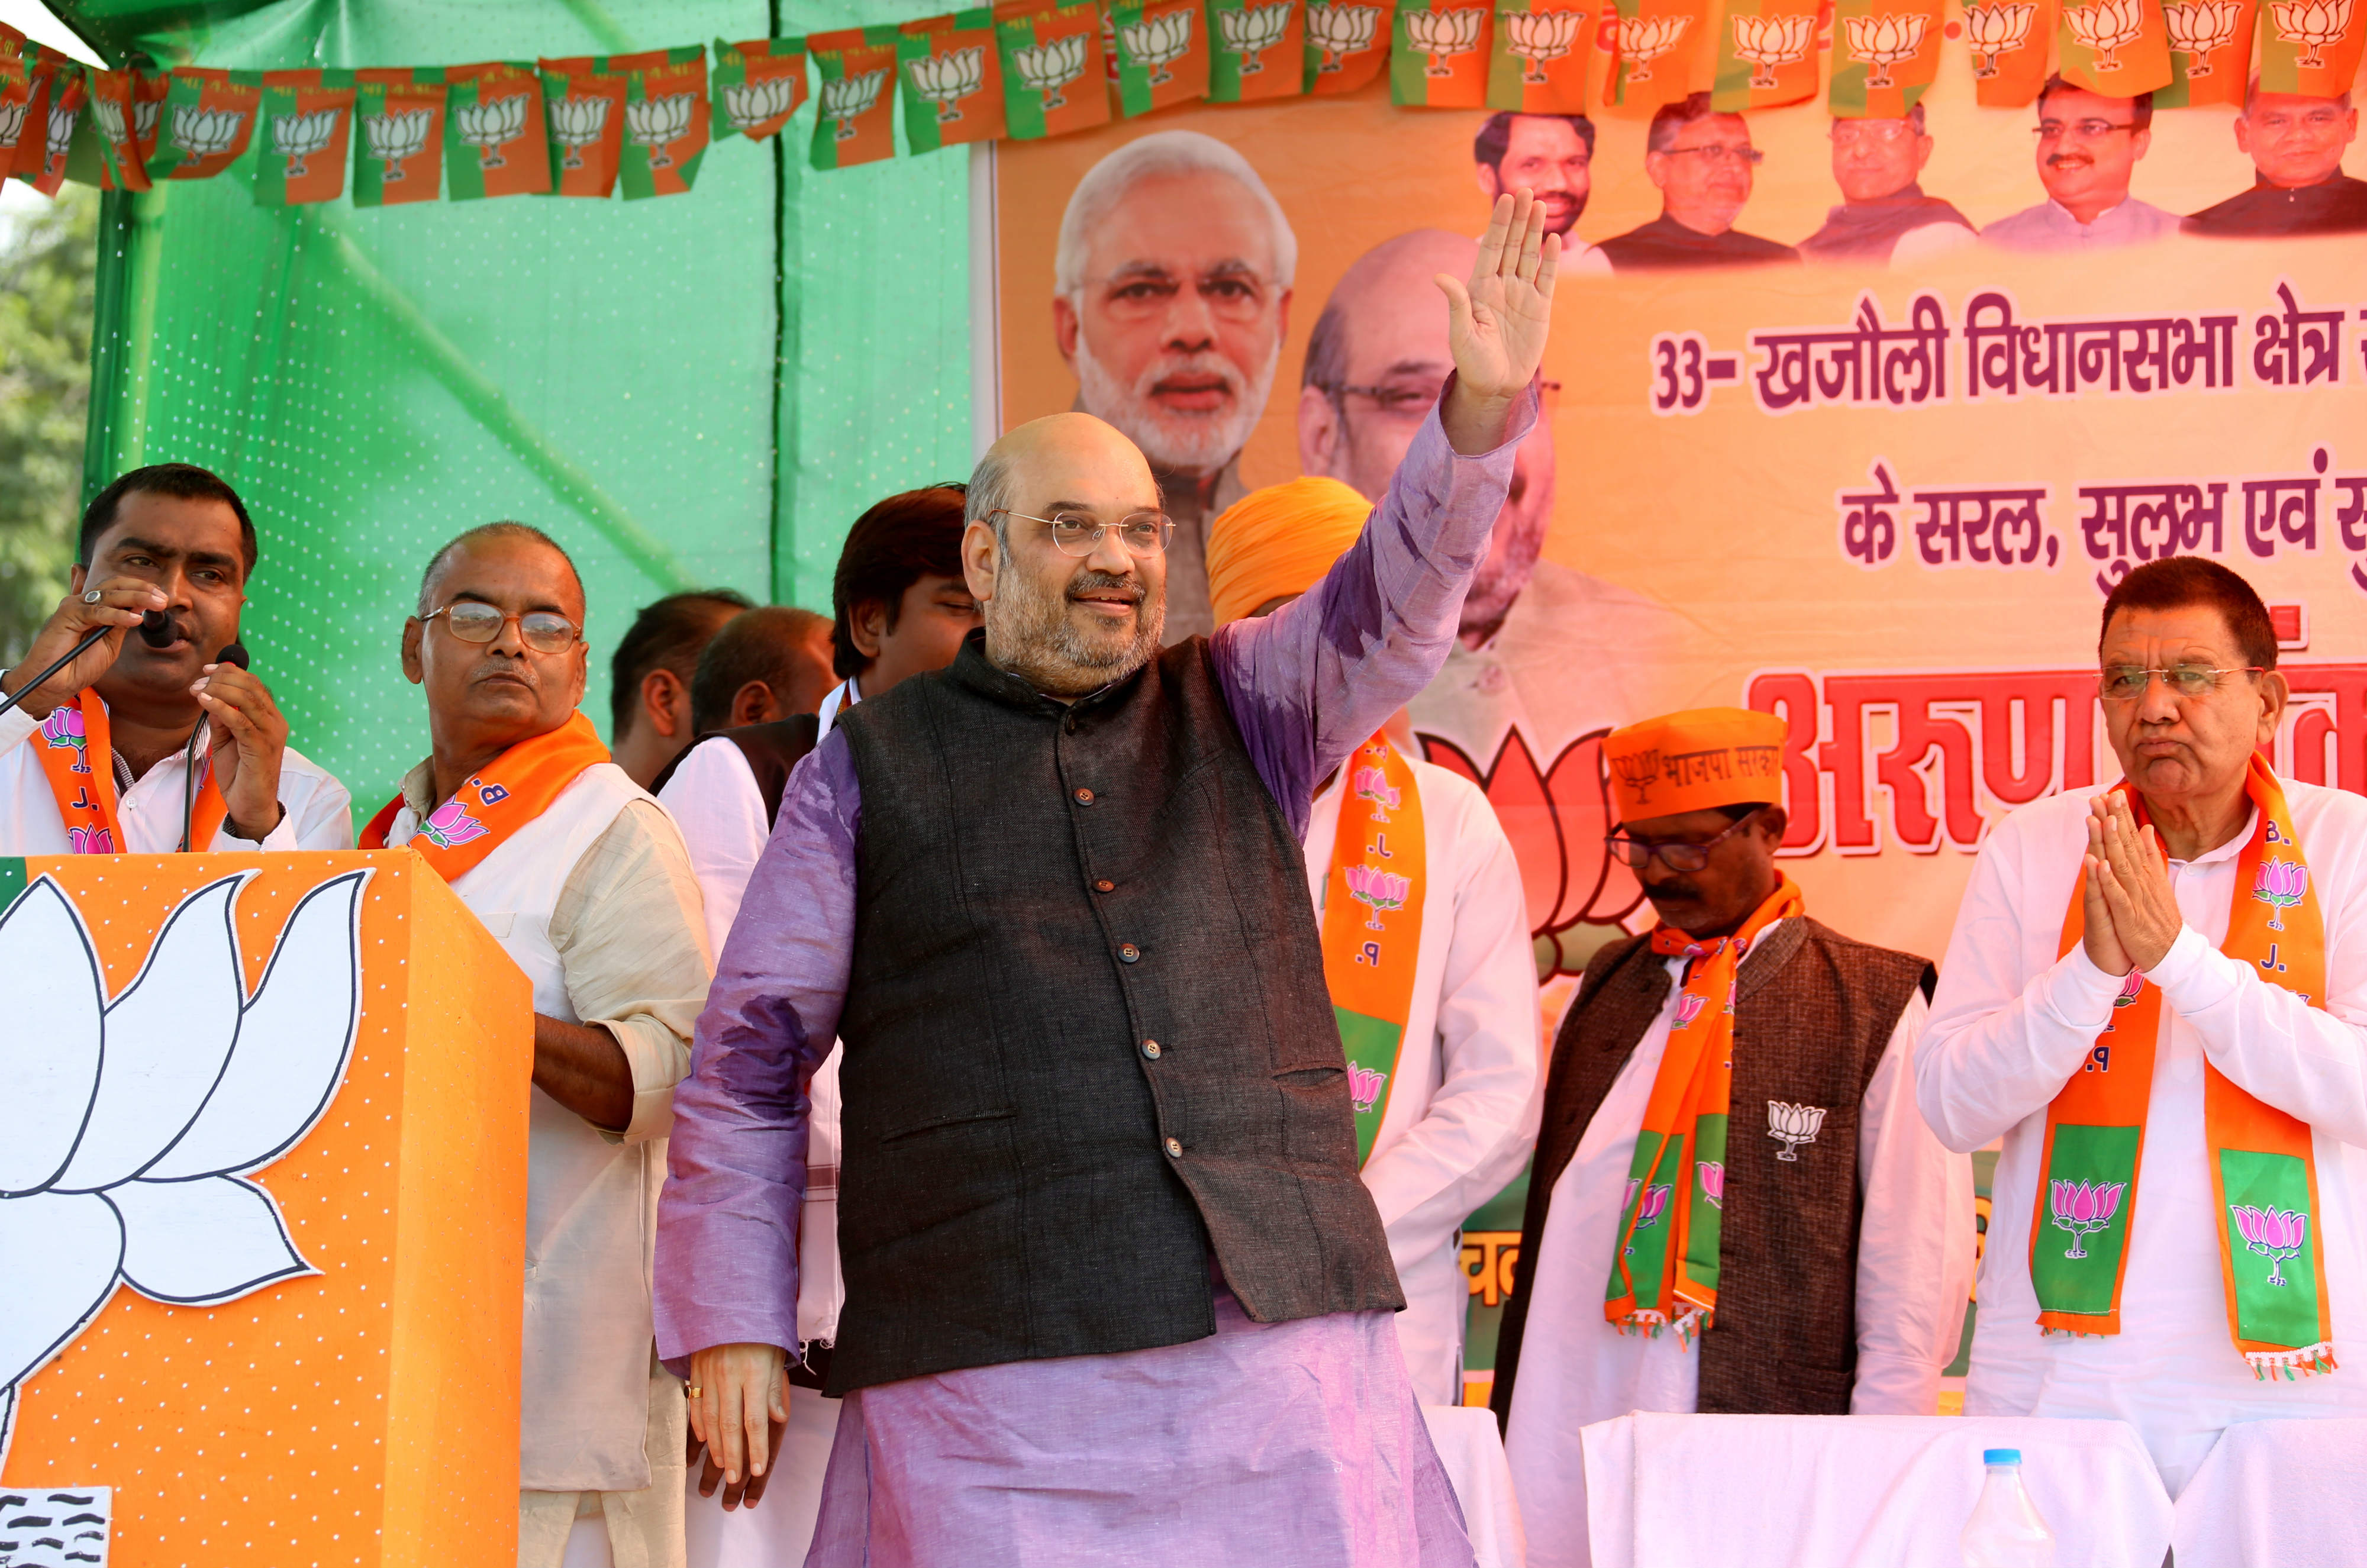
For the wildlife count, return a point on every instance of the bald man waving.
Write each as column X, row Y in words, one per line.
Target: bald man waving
column 1100, row 1188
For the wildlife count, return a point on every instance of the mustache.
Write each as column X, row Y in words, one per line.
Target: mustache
column 2057, row 160
column 1091, row 582
column 1170, row 367
column 1677, row 892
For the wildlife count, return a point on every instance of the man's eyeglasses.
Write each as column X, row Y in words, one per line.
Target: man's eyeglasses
column 1719, row 153
column 2085, row 129
column 1411, row 402
column 1080, row 532
column 2127, row 682
column 1677, row 854
column 545, row 631
column 1847, row 132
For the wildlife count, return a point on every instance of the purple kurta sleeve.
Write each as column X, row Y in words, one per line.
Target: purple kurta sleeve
column 1309, row 683
column 726, row 1242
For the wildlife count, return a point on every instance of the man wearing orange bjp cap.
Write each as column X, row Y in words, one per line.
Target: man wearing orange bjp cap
column 1735, row 1206
column 1426, row 949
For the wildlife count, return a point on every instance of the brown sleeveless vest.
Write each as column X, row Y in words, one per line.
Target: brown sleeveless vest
column 1813, row 1014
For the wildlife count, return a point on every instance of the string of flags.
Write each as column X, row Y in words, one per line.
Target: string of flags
column 585, row 125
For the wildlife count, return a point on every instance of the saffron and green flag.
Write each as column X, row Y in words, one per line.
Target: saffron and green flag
column 1885, row 56
column 1543, row 52
column 952, row 80
column 1161, row 54
column 399, row 139
column 857, row 122
column 1440, row 58
column 1257, row 49
column 756, row 86
column 307, row 125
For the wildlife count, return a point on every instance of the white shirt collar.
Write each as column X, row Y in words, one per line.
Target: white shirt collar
column 842, row 696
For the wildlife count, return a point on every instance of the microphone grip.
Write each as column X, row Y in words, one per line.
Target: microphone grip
column 155, row 628
column 232, row 653
column 90, row 640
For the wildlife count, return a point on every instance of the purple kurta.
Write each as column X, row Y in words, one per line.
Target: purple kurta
column 983, row 1464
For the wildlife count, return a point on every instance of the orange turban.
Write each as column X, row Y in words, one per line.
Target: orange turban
column 1695, row 760
column 1280, row 540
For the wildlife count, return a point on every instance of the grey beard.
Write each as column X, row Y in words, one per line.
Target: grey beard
column 1030, row 634
column 1199, row 445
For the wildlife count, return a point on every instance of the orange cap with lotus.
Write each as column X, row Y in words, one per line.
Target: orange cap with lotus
column 1696, row 760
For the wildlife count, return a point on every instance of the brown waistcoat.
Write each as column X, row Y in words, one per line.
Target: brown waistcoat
column 1813, row 1012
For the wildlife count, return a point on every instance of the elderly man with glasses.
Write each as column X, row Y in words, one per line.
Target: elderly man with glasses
column 1114, row 1291
column 582, row 878
column 1886, row 218
column 1705, row 165
column 1735, row 1207
column 2157, row 995
column 2089, row 145
column 2296, row 141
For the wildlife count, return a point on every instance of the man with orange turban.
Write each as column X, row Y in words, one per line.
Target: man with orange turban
column 1426, row 950
column 1736, row 1206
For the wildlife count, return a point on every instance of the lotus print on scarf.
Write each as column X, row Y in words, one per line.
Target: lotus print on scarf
column 1688, row 1008
column 1251, row 31
column 2083, row 1208
column 451, row 824
column 1373, row 786
column 135, row 1120
column 1364, row 1087
column 947, row 79
column 1377, row 890
column 1647, row 1212
column 2275, row 1234
column 2131, row 990
column 1713, row 1182
column 2105, row 27
column 1993, row 31
column 2199, row 29
column 1885, row 40
column 2314, row 24
column 1770, row 41
column 1441, row 35
column 1340, row 31
column 1539, row 36
column 1793, row 1126
column 63, row 730
column 2280, row 883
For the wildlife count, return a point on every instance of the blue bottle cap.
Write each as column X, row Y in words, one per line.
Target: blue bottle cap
column 2000, row 1456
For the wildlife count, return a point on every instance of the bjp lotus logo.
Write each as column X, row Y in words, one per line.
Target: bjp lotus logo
column 1883, row 41
column 1712, row 1177
column 2131, row 990
column 848, row 98
column 1157, row 43
column 297, row 137
column 135, row 1122
column 2199, row 28
column 395, row 139
column 1364, row 1087
column 1770, row 41
column 1688, row 1008
column 490, row 127
column 1653, row 1202
column 2083, row 1208
column 1048, row 68
column 750, row 104
column 451, row 824
column 1993, row 31
column 1340, row 31
column 202, row 133
column 947, row 79
column 1643, row 39
column 1793, row 1125
column 2276, row 1235
column 11, row 124
column 2315, row 24
column 1373, row 786
column 1443, row 35
column 64, row 731
column 1377, row 890
column 2280, row 883
column 1539, row 36
column 654, row 125
column 2108, row 25
column 1251, row 31
column 90, row 840
column 577, row 123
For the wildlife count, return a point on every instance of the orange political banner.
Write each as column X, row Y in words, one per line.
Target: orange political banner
column 2115, row 48
column 1439, row 59
column 2210, row 51
column 583, row 103
column 116, row 109
column 1543, row 54
column 2009, row 40
column 1054, row 77
column 1885, row 57
column 277, row 1194
column 306, row 126
column 495, row 136
column 1660, row 41
column 1768, row 53
column 1347, row 43
column 856, row 123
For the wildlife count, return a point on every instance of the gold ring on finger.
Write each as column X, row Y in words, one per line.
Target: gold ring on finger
column 695, row 1391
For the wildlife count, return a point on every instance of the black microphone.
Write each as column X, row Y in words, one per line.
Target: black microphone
column 155, row 628
column 232, row 653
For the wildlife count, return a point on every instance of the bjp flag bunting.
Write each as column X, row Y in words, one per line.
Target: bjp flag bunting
column 495, row 131
column 2118, row 48
column 16, row 89
column 1347, row 44
column 116, row 110
column 2311, row 46
column 583, row 110
column 756, row 86
column 1440, row 58
column 1052, row 68
column 2009, row 41
column 207, row 120
column 952, row 80
column 1658, row 42
column 1767, row 54
column 857, row 120
column 306, row 123
column 57, row 100
column 665, row 129
column 1885, row 57
column 1159, row 54
column 2210, row 51
column 1544, row 51
column 1257, row 49
column 399, row 154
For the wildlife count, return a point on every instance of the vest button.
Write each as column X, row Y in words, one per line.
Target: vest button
column 1128, row 953
column 1085, row 797
column 1175, row 1148
column 1150, row 1049
column 1104, row 885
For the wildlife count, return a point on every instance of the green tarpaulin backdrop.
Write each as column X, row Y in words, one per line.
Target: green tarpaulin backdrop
column 697, row 390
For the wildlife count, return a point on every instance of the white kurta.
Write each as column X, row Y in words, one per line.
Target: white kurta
column 1472, row 1053
column 2013, row 1022
column 320, row 812
column 1914, row 1275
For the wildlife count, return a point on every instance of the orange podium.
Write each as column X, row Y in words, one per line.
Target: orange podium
column 263, row 1169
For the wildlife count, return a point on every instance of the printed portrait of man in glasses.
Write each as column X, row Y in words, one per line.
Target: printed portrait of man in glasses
column 1704, row 165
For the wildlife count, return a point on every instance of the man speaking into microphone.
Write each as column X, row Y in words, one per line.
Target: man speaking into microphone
column 150, row 740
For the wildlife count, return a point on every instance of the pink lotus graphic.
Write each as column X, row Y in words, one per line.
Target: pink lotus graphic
column 1713, row 1182
column 2281, row 884
column 1373, row 786
column 2083, row 1208
column 63, row 730
column 2275, row 1234
column 1364, row 1086
column 91, row 841
column 1377, row 890
column 1648, row 1213
column 451, row 824
column 2130, row 989
column 1688, row 1008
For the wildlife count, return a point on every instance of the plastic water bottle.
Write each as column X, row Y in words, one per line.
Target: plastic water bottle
column 2005, row 1530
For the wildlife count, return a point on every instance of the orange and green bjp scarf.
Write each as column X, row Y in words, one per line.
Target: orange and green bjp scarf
column 513, row 790
column 1664, row 1267
column 73, row 744
column 2272, row 1255
column 1372, row 925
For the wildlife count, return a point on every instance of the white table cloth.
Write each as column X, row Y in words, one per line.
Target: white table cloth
column 1836, row 1491
column 2277, row 1494
column 1471, row 1451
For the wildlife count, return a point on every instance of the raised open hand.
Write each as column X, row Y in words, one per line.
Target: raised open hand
column 1497, row 321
